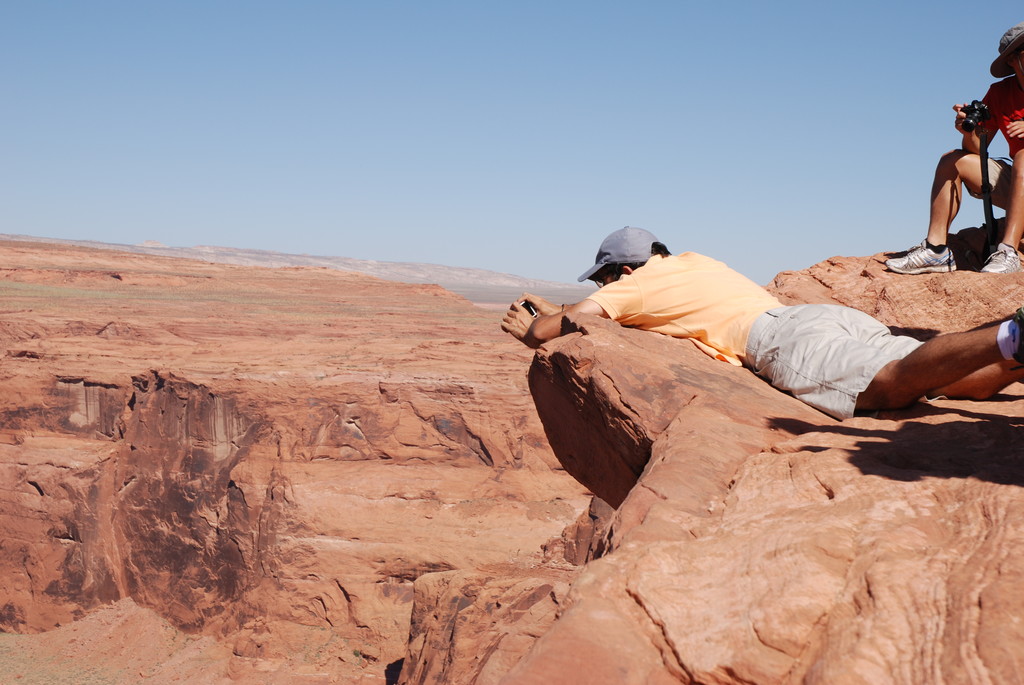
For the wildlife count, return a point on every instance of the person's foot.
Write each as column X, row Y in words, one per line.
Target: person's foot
column 921, row 260
column 1002, row 262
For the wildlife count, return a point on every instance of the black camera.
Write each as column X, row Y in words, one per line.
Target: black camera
column 976, row 112
column 528, row 306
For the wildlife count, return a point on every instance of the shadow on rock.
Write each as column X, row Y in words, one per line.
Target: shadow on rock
column 929, row 444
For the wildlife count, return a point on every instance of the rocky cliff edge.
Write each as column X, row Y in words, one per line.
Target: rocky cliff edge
column 226, row 474
column 756, row 540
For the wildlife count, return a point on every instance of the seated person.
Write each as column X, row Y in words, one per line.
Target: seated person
column 1005, row 101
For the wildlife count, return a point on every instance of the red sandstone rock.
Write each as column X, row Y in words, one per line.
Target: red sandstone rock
column 607, row 395
column 921, row 305
column 474, row 627
column 767, row 543
column 231, row 449
column 269, row 458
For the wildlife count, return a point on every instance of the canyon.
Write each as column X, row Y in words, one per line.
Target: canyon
column 252, row 468
column 225, row 473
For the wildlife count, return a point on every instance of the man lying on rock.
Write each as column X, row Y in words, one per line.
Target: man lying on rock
column 834, row 358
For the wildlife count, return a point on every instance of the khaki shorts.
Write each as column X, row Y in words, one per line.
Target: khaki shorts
column 823, row 354
column 998, row 178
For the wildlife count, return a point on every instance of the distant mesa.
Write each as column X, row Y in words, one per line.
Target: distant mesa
column 485, row 288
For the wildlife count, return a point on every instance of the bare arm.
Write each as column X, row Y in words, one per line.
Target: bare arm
column 534, row 332
column 1015, row 129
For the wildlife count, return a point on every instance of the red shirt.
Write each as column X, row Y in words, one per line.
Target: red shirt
column 1005, row 102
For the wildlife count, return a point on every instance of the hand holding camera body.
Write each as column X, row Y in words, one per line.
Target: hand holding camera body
column 976, row 112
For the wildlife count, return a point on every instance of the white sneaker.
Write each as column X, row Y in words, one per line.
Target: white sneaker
column 921, row 260
column 1002, row 262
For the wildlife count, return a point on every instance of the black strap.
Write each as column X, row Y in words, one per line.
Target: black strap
column 986, row 192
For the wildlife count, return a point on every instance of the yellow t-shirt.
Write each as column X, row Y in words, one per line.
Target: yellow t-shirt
column 689, row 296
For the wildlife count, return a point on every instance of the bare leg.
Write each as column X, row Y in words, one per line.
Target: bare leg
column 1014, row 203
column 940, row 366
column 955, row 168
column 984, row 382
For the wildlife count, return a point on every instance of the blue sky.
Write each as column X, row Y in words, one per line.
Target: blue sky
column 507, row 136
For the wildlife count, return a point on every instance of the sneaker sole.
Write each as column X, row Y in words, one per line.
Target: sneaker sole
column 938, row 269
column 1016, row 270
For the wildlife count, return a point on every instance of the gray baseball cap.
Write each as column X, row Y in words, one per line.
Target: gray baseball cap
column 627, row 245
column 1008, row 44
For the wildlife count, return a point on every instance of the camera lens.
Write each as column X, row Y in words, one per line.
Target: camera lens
column 976, row 112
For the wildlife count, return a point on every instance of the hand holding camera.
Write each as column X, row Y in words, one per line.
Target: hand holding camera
column 974, row 114
column 537, row 306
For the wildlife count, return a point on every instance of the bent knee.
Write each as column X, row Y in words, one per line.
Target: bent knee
column 961, row 160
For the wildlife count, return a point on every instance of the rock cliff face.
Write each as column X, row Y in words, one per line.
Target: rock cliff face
column 758, row 541
column 267, row 458
column 217, row 474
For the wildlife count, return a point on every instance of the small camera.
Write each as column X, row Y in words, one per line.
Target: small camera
column 976, row 112
column 525, row 304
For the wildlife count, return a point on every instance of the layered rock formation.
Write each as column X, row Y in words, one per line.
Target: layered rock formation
column 216, row 474
column 268, row 458
column 763, row 542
